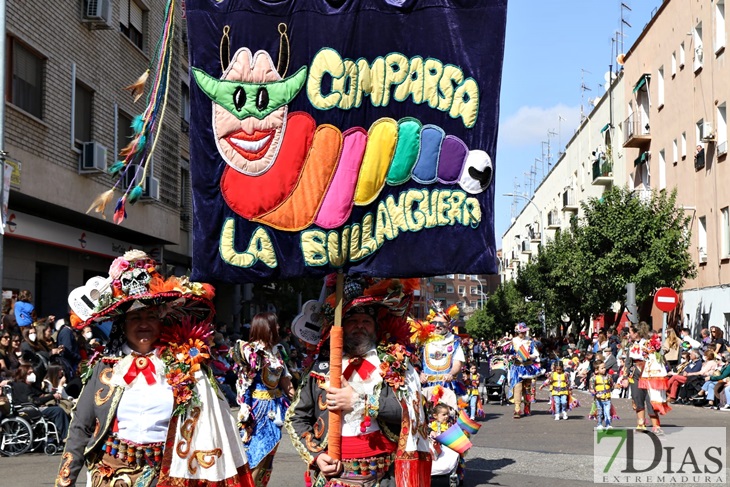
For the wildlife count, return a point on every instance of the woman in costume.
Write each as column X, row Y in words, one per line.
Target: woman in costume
column 264, row 390
column 442, row 354
column 647, row 377
column 148, row 414
column 525, row 367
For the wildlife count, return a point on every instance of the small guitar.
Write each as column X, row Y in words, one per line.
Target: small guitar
column 83, row 300
column 307, row 326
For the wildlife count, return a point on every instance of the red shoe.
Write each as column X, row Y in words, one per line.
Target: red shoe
column 527, row 411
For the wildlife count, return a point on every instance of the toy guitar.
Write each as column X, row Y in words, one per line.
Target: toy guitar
column 307, row 326
column 83, row 300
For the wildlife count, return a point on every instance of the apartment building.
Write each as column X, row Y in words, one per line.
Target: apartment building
column 468, row 291
column 675, row 136
column 593, row 160
column 67, row 116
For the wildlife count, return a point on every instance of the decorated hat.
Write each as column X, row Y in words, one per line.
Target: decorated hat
column 134, row 283
column 450, row 314
column 521, row 327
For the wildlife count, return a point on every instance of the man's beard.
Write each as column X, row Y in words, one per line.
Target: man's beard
column 358, row 343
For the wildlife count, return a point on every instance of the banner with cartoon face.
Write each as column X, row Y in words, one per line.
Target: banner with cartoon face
column 353, row 134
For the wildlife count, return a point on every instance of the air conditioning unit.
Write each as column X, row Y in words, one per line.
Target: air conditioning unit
column 97, row 13
column 151, row 190
column 93, row 158
column 707, row 133
column 702, row 255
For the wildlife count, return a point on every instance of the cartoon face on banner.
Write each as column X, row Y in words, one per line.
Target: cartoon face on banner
column 336, row 194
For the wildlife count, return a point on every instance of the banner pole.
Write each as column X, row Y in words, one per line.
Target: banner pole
column 334, row 434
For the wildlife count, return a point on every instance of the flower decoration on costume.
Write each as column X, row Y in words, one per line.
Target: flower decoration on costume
column 185, row 350
column 420, row 331
column 394, row 360
column 655, row 343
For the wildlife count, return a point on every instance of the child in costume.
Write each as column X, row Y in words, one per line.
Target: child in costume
column 440, row 421
column 559, row 391
column 525, row 366
column 472, row 386
column 601, row 386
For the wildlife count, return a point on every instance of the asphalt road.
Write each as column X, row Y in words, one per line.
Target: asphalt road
column 535, row 450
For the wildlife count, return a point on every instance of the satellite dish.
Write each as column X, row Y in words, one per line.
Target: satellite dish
column 621, row 59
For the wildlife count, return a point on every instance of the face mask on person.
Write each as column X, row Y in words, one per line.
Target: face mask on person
column 31, row 378
column 31, row 337
column 18, row 353
column 88, row 335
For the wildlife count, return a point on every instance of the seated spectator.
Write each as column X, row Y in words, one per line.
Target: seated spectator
column 705, row 335
column 686, row 337
column 12, row 357
column 25, row 391
column 695, row 380
column 691, row 363
column 708, row 388
column 8, row 322
column 4, row 349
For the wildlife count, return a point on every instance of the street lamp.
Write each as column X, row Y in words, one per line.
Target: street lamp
column 539, row 214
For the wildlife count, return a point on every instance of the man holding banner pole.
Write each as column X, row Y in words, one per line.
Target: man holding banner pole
column 383, row 431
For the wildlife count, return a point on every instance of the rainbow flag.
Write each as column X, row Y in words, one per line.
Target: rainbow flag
column 466, row 423
column 523, row 353
column 455, row 439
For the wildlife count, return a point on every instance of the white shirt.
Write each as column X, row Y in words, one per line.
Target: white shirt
column 145, row 410
column 351, row 421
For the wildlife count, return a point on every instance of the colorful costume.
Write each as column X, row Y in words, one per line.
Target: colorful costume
column 475, row 408
column 523, row 370
column 441, row 353
column 152, row 419
column 263, row 405
column 386, row 433
column 561, row 399
column 601, row 387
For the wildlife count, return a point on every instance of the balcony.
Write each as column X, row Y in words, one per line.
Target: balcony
column 535, row 237
column 722, row 149
column 636, row 135
column 553, row 220
column 569, row 202
column 526, row 248
column 602, row 173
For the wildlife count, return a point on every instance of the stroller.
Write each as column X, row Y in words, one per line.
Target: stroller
column 497, row 382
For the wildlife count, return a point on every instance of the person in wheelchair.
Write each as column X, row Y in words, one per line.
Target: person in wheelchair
column 25, row 391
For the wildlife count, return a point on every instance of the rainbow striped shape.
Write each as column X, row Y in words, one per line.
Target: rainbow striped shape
column 523, row 353
column 455, row 439
column 467, row 424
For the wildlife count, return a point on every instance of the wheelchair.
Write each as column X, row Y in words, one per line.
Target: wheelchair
column 26, row 429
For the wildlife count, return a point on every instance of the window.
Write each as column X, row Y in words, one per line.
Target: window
column 674, row 151
column 681, row 55
column 662, row 170
column 449, row 276
column 474, row 290
column 186, row 204
column 721, row 133
column 674, row 64
column 702, row 240
column 725, row 225
column 473, row 277
column 462, row 290
column 698, row 51
column 449, row 289
column 124, row 131
column 83, row 101
column 719, row 25
column 185, row 104
column 131, row 21
column 461, row 277
column 25, row 90
column 684, row 145
column 660, row 87
column 439, row 287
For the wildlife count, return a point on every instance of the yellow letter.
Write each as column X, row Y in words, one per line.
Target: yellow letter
column 456, row 211
column 364, row 81
column 466, row 103
column 428, row 207
column 394, row 76
column 377, row 73
column 451, row 73
column 340, row 85
column 396, row 211
column 259, row 247
column 383, row 228
column 369, row 240
column 413, row 84
column 443, row 207
column 414, row 216
column 472, row 212
column 433, row 69
column 326, row 61
column 338, row 249
column 314, row 247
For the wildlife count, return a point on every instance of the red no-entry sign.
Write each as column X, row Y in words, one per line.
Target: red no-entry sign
column 666, row 299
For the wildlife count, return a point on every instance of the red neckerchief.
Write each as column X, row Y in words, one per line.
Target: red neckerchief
column 359, row 365
column 141, row 365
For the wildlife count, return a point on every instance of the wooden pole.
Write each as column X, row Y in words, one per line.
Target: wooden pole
column 334, row 434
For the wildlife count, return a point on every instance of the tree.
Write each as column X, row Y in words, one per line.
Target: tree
column 626, row 239
column 502, row 310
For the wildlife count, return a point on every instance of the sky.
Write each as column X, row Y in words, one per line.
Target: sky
column 552, row 47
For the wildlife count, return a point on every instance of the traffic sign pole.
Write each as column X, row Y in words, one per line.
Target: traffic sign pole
column 664, row 326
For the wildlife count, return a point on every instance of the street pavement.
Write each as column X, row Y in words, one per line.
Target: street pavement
column 534, row 450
